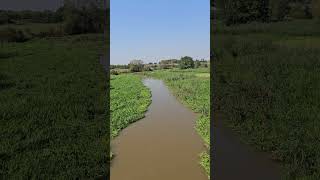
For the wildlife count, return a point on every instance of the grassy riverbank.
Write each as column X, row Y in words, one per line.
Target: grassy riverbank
column 268, row 87
column 129, row 101
column 52, row 109
column 192, row 87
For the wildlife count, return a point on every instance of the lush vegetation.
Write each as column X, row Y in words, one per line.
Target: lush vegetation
column 74, row 17
column 139, row 66
column 186, row 63
column 192, row 87
column 129, row 101
column 267, row 79
column 244, row 11
column 53, row 111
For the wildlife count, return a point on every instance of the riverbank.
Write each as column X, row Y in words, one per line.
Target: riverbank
column 163, row 145
column 192, row 88
column 268, row 79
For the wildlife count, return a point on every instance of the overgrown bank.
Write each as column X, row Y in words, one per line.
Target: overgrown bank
column 129, row 101
column 192, row 87
column 268, row 86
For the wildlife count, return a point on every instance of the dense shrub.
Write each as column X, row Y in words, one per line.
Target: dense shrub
column 13, row 35
column 136, row 66
column 86, row 18
column 316, row 8
column 114, row 72
column 186, row 62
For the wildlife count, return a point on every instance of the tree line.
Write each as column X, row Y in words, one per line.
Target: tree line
column 244, row 11
column 185, row 62
column 18, row 17
column 74, row 17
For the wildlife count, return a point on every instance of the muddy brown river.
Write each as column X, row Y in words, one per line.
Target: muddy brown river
column 235, row 160
column 162, row 146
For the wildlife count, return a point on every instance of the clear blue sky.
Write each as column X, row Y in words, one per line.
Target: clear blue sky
column 151, row 30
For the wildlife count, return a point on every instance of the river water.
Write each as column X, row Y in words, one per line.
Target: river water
column 162, row 146
column 234, row 159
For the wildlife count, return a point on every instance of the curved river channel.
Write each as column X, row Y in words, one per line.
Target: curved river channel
column 162, row 146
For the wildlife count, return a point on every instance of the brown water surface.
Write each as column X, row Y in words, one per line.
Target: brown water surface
column 235, row 160
column 162, row 146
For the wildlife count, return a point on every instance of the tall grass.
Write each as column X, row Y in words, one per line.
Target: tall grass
column 52, row 109
column 129, row 101
column 267, row 79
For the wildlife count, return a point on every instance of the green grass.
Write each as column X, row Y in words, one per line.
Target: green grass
column 129, row 101
column 53, row 112
column 268, row 79
column 192, row 87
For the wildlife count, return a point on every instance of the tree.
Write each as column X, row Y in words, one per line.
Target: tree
column 279, row 9
column 186, row 62
column 136, row 66
column 83, row 17
column 3, row 18
column 316, row 9
column 197, row 64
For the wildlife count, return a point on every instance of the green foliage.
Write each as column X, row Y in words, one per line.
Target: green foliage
column 12, row 35
column 268, row 81
column 53, row 115
column 192, row 87
column 17, row 17
column 136, row 66
column 205, row 162
column 243, row 11
column 316, row 8
column 197, row 64
column 299, row 11
column 83, row 18
column 129, row 101
column 186, row 62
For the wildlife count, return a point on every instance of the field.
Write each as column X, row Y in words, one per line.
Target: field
column 35, row 28
column 192, row 87
column 268, row 79
column 53, row 115
column 129, row 101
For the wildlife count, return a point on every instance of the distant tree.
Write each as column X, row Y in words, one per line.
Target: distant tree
column 136, row 66
column 197, row 64
column 279, row 9
column 3, row 17
column 300, row 9
column 85, row 17
column 186, row 62
column 316, row 9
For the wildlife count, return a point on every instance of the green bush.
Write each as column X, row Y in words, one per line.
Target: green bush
column 13, row 35
column 114, row 72
column 186, row 62
column 316, row 9
column 136, row 66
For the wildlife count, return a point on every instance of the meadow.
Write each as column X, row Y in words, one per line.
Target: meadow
column 53, row 115
column 34, row 28
column 267, row 79
column 192, row 88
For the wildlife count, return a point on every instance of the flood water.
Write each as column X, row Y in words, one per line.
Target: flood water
column 236, row 160
column 162, row 146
